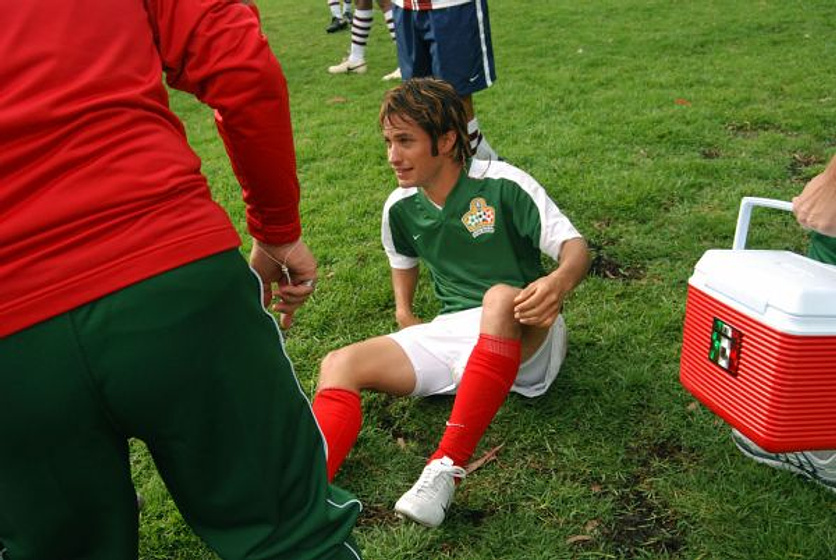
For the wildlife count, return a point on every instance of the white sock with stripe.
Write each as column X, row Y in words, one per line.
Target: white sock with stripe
column 480, row 146
column 361, row 27
column 334, row 6
column 390, row 23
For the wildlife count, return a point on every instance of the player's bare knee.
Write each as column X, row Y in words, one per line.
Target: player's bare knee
column 499, row 300
column 498, row 310
column 336, row 370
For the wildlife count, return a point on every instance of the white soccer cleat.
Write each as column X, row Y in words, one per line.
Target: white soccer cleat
column 348, row 67
column 393, row 75
column 428, row 499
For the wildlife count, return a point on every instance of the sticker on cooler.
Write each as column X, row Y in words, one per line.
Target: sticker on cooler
column 759, row 342
column 725, row 346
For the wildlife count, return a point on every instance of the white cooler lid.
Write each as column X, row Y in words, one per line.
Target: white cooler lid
column 792, row 293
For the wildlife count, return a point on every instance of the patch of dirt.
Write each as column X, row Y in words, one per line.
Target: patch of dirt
column 748, row 129
column 377, row 515
column 668, row 450
column 643, row 522
column 799, row 162
column 608, row 268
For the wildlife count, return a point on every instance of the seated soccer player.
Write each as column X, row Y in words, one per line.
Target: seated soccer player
column 480, row 226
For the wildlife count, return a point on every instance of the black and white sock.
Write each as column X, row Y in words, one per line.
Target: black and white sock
column 361, row 27
column 480, row 146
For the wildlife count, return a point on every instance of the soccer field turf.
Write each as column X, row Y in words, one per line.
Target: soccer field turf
column 646, row 121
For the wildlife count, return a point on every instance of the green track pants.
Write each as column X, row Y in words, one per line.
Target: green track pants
column 190, row 363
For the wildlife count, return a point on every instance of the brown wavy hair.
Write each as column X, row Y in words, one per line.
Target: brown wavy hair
column 433, row 105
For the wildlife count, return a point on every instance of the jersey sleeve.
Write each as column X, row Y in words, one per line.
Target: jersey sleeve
column 215, row 50
column 396, row 242
column 555, row 227
column 537, row 217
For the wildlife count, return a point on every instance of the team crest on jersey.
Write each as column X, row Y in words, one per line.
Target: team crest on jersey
column 480, row 218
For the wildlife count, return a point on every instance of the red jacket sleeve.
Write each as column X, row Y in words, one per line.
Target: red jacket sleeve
column 215, row 50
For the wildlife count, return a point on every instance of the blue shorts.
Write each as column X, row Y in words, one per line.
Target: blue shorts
column 453, row 44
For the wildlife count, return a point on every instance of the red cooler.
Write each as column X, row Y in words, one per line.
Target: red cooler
column 759, row 343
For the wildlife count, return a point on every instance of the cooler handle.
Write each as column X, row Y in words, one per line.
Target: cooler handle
column 745, row 215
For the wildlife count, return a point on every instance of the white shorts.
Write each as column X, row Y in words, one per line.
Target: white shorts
column 439, row 351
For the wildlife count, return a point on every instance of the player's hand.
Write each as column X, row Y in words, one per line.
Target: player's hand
column 288, row 274
column 539, row 303
column 815, row 207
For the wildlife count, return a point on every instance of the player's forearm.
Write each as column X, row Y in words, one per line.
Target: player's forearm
column 234, row 71
column 574, row 264
column 404, row 282
column 830, row 171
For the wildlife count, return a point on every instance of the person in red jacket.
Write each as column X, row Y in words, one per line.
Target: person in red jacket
column 126, row 309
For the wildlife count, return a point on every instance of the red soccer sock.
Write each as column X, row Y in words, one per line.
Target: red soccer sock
column 488, row 376
column 339, row 414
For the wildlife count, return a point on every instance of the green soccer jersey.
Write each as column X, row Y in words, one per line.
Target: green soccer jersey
column 492, row 228
column 822, row 248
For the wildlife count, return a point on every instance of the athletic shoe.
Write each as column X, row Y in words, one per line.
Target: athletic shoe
column 348, row 67
column 348, row 15
column 337, row 24
column 819, row 466
column 394, row 75
column 428, row 499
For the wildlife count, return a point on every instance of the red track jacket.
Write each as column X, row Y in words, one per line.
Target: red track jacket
column 98, row 186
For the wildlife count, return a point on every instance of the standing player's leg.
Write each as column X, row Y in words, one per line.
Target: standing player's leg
column 478, row 143
column 65, row 480
column 412, row 31
column 388, row 18
column 361, row 28
column 194, row 366
column 338, row 22
column 462, row 54
column 377, row 364
column 488, row 376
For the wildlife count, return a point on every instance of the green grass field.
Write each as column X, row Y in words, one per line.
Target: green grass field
column 647, row 121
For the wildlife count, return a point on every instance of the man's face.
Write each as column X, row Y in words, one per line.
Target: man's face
column 409, row 150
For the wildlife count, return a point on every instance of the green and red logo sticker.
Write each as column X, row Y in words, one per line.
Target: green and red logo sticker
column 725, row 346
